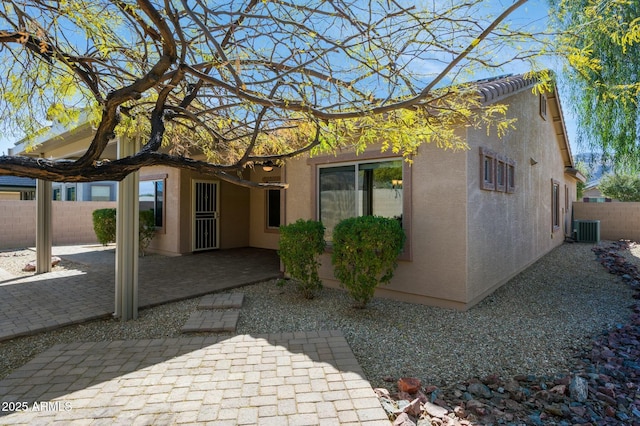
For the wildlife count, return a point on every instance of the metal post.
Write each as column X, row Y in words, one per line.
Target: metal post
column 44, row 195
column 127, row 224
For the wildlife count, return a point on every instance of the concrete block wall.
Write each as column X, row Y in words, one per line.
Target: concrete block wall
column 617, row 220
column 72, row 222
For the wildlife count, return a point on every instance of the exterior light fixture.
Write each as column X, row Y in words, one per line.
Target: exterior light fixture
column 267, row 166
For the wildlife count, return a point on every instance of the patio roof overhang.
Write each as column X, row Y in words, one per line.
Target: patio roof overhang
column 64, row 144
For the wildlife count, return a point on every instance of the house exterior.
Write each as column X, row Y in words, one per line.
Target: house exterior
column 473, row 219
column 17, row 188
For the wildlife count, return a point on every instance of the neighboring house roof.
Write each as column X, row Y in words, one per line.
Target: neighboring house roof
column 17, row 182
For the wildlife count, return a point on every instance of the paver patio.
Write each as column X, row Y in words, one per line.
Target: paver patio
column 284, row 379
column 46, row 301
column 306, row 378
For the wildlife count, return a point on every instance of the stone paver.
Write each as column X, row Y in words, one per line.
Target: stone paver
column 52, row 300
column 279, row 379
column 214, row 321
column 218, row 380
column 221, row 301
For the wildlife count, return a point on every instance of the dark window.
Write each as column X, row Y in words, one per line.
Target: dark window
column 555, row 205
column 71, row 193
column 273, row 208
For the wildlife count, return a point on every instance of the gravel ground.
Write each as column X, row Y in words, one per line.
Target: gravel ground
column 536, row 324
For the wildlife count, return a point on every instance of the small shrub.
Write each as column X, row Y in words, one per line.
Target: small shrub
column 300, row 245
column 146, row 231
column 365, row 250
column 104, row 225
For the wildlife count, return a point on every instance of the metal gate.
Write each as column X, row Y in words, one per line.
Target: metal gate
column 205, row 208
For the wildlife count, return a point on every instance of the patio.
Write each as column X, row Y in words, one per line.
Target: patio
column 44, row 302
column 304, row 378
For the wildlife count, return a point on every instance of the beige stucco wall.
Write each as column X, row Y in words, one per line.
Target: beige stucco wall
column 465, row 241
column 437, row 180
column 617, row 220
column 509, row 231
column 72, row 222
column 259, row 235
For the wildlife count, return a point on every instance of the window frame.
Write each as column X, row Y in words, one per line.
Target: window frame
column 267, row 209
column 555, row 206
column 543, row 106
column 511, row 176
column 163, row 179
column 71, row 193
column 367, row 157
column 501, row 174
column 487, row 169
column 497, row 172
column 98, row 186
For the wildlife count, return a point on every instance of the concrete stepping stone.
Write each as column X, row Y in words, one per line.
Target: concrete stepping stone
column 211, row 321
column 221, row 301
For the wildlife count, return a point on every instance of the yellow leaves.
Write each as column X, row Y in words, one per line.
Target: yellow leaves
column 56, row 112
column 629, row 37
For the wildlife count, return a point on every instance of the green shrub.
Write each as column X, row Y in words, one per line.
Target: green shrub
column 365, row 250
column 146, row 231
column 621, row 187
column 300, row 245
column 104, row 225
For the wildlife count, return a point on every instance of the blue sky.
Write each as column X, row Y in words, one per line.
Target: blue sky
column 534, row 11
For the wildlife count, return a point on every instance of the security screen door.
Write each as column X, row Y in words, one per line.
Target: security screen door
column 206, row 204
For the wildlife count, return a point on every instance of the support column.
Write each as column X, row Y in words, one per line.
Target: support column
column 127, row 242
column 44, row 239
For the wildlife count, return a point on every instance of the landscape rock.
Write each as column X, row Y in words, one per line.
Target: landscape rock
column 579, row 389
column 31, row 266
column 409, row 385
column 603, row 387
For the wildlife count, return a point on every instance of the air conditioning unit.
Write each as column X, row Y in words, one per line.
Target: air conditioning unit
column 587, row 231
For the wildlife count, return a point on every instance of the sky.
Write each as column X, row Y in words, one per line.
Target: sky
column 533, row 11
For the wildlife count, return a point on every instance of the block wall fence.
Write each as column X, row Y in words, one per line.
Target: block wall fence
column 617, row 220
column 72, row 222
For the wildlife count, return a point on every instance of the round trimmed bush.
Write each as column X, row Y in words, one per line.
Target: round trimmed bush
column 365, row 252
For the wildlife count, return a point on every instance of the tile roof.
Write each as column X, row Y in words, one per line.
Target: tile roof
column 493, row 89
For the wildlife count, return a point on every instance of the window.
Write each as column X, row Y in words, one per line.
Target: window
column 57, row 194
column 71, row 193
column 487, row 170
column 151, row 197
column 497, row 173
column 501, row 175
column 543, row 106
column 511, row 177
column 555, row 205
column 273, row 208
column 100, row 193
column 367, row 188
